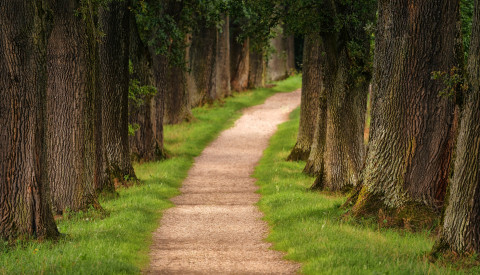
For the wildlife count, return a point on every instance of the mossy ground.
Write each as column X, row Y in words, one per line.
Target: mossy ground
column 309, row 225
column 118, row 242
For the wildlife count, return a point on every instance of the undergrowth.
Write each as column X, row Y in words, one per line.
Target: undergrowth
column 309, row 226
column 117, row 241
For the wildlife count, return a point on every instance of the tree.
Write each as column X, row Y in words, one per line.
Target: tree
column 71, row 89
column 257, row 68
column 461, row 221
column 344, row 60
column 311, row 88
column 145, row 142
column 223, row 58
column 240, row 58
column 282, row 61
column 25, row 210
column 201, row 64
column 114, row 83
column 412, row 127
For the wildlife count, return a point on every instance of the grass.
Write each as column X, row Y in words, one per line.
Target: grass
column 119, row 243
column 308, row 227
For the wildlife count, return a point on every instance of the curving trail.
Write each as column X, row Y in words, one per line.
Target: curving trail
column 215, row 226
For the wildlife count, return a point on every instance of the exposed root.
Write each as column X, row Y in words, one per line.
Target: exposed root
column 298, row 153
column 411, row 216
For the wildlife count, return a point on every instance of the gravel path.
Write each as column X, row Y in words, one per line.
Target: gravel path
column 215, row 226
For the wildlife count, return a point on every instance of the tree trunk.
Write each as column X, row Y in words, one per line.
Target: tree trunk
column 346, row 97
column 114, row 79
column 290, row 51
column 223, row 59
column 256, row 71
column 461, row 225
column 70, row 110
column 25, row 210
column 311, row 86
column 201, row 75
column 412, row 127
column 144, row 145
column 278, row 61
column 172, row 80
column 240, row 60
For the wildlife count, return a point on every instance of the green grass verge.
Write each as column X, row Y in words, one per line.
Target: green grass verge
column 119, row 243
column 308, row 227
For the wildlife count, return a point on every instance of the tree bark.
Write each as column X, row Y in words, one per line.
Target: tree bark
column 223, row 59
column 201, row 56
column 311, row 86
column 256, row 71
column 25, row 210
column 70, row 110
column 172, row 80
column 412, row 127
column 461, row 225
column 346, row 98
column 144, row 145
column 240, row 60
column 278, row 62
column 114, row 80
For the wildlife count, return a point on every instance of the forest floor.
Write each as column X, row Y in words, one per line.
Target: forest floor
column 215, row 226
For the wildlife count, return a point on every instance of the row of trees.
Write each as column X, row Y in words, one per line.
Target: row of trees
column 78, row 76
column 423, row 150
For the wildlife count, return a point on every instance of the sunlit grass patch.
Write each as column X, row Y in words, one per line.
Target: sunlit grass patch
column 308, row 225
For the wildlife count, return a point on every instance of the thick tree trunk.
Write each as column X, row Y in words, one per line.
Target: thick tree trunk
column 311, row 87
column 315, row 162
column 172, row 81
column 114, row 79
column 144, row 145
column 346, row 99
column 461, row 225
column 201, row 59
column 24, row 196
column 240, row 60
column 281, row 59
column 70, row 110
column 223, row 59
column 412, row 127
column 290, row 51
column 256, row 71
column 160, row 72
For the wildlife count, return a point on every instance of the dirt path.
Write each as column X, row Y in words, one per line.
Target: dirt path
column 215, row 226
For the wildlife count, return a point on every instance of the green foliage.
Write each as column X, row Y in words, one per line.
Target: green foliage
column 466, row 15
column 165, row 24
column 308, row 225
column 119, row 242
column 257, row 20
column 454, row 81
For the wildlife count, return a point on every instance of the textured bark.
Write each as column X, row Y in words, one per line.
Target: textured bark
column 223, row 59
column 256, row 71
column 144, row 145
column 281, row 59
column 315, row 162
column 24, row 196
column 240, row 60
column 461, row 225
column 311, row 86
column 70, row 110
column 114, row 78
column 290, row 50
column 346, row 99
column 412, row 127
column 172, row 81
column 160, row 70
column 201, row 59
